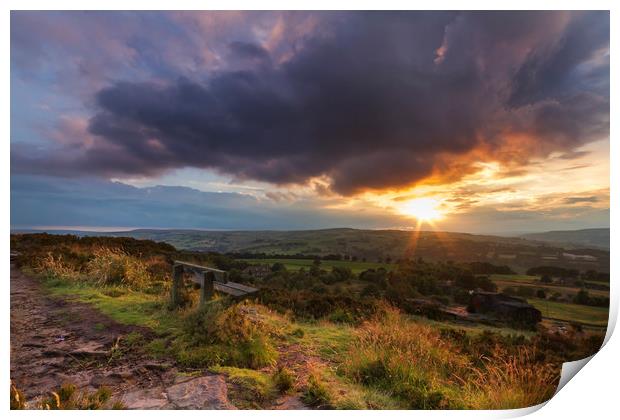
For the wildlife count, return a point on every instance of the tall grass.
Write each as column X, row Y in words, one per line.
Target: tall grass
column 55, row 267
column 106, row 267
column 511, row 381
column 409, row 359
column 110, row 267
column 416, row 364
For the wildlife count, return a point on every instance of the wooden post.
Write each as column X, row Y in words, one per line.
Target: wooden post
column 206, row 288
column 177, row 284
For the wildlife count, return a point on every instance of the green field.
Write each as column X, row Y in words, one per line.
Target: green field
column 296, row 264
column 550, row 288
column 518, row 278
column 515, row 280
column 570, row 312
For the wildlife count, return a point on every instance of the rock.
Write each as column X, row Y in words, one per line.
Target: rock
column 33, row 345
column 158, row 366
column 105, row 380
column 53, row 353
column 289, row 402
column 124, row 375
column 146, row 399
column 206, row 392
column 88, row 353
column 79, row 379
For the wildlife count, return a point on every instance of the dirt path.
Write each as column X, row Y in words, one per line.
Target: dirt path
column 54, row 341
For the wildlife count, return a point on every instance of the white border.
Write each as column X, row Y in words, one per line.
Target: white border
column 592, row 394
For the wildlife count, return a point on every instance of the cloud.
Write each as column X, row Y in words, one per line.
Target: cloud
column 368, row 101
column 43, row 200
column 575, row 200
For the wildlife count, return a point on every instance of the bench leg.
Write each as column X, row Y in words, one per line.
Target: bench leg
column 206, row 288
column 177, row 283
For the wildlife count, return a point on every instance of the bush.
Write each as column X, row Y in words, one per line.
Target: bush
column 113, row 267
column 316, row 393
column 284, row 379
column 243, row 340
column 55, row 267
column 342, row 316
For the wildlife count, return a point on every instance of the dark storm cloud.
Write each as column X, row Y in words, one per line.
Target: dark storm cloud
column 375, row 100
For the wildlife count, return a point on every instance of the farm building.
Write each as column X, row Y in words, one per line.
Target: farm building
column 504, row 307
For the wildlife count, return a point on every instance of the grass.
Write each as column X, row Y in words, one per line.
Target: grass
column 519, row 278
column 570, row 312
column 549, row 288
column 284, row 379
column 251, row 389
column 390, row 361
column 296, row 264
column 67, row 397
column 409, row 359
column 325, row 339
column 471, row 329
column 131, row 308
column 423, row 370
column 325, row 389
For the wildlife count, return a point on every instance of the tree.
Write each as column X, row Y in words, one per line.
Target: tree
column 276, row 267
column 546, row 278
column 582, row 297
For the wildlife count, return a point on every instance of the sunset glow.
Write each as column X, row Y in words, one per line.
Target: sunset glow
column 423, row 209
column 231, row 125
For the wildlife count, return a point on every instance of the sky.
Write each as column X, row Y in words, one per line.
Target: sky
column 482, row 122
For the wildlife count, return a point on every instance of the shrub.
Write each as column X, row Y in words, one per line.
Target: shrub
column 284, row 379
column 316, row 393
column 341, row 315
column 113, row 267
column 55, row 267
column 246, row 337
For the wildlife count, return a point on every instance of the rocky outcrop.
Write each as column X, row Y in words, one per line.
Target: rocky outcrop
column 187, row 393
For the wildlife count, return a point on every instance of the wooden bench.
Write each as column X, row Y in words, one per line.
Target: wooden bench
column 210, row 280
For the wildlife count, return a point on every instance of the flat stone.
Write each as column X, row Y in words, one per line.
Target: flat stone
column 289, row 402
column 123, row 374
column 105, row 380
column 146, row 399
column 158, row 366
column 203, row 393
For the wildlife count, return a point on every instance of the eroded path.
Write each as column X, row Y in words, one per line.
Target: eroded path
column 54, row 341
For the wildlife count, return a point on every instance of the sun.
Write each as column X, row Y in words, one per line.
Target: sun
column 423, row 209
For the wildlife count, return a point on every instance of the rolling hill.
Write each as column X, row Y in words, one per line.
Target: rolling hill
column 597, row 238
column 377, row 245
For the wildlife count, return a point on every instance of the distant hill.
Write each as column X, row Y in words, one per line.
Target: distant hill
column 597, row 238
column 376, row 245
